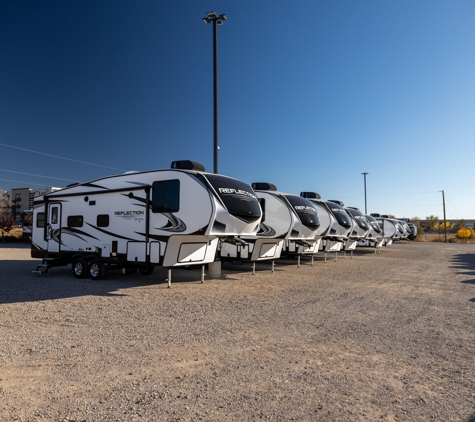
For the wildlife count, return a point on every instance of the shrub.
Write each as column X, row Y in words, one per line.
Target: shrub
column 452, row 240
column 465, row 233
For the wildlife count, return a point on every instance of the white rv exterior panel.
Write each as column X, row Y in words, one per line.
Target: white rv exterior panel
column 136, row 251
column 195, row 251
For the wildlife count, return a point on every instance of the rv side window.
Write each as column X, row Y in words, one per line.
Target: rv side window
column 103, row 220
column 40, row 220
column 166, row 196
column 54, row 215
column 75, row 221
column 262, row 203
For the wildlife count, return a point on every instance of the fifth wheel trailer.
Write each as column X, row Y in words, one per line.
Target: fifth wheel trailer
column 335, row 222
column 289, row 225
column 170, row 218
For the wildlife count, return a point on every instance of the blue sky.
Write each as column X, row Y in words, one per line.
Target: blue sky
column 311, row 94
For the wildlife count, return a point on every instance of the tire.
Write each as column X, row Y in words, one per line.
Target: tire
column 146, row 269
column 96, row 269
column 80, row 268
column 131, row 270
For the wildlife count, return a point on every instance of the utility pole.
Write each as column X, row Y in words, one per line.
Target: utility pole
column 365, row 204
column 445, row 221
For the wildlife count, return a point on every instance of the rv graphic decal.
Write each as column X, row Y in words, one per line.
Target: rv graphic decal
column 238, row 193
column 118, row 236
column 76, row 233
column 174, row 224
column 137, row 198
column 54, row 235
column 265, row 230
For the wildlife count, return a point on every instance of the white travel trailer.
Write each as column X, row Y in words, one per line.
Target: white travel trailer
column 268, row 242
column 170, row 218
column 389, row 228
column 413, row 228
column 335, row 222
column 407, row 229
column 289, row 226
column 360, row 228
column 375, row 236
column 400, row 231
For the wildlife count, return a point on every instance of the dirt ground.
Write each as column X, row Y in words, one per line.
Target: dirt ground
column 385, row 337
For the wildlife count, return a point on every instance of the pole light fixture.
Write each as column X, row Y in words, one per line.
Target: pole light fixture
column 212, row 17
column 365, row 203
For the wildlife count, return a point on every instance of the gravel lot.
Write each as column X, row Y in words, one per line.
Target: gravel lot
column 378, row 337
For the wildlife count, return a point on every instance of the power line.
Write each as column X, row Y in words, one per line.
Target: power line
column 453, row 206
column 393, row 194
column 39, row 175
column 62, row 158
column 21, row 183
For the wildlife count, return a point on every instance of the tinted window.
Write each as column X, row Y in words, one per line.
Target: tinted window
column 399, row 228
column 166, row 196
column 238, row 197
column 75, row 221
column 103, row 220
column 54, row 215
column 305, row 210
column 40, row 219
column 359, row 218
column 339, row 213
column 374, row 224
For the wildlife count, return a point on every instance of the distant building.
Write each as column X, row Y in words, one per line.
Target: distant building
column 5, row 207
column 22, row 200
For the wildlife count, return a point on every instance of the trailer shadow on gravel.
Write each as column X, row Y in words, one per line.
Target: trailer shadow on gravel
column 466, row 264
column 18, row 283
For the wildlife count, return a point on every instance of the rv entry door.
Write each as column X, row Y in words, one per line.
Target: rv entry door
column 54, row 227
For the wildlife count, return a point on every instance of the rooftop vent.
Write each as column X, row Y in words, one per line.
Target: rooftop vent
column 354, row 208
column 337, row 202
column 375, row 215
column 310, row 195
column 385, row 216
column 263, row 186
column 187, row 165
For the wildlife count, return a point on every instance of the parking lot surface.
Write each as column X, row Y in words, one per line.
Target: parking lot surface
column 386, row 336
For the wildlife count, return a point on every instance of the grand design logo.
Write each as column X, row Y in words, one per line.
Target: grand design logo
column 238, row 193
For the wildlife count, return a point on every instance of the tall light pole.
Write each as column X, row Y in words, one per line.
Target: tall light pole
column 365, row 204
column 217, row 21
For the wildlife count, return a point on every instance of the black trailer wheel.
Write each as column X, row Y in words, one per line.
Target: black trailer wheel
column 146, row 269
column 80, row 268
column 96, row 269
column 131, row 270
